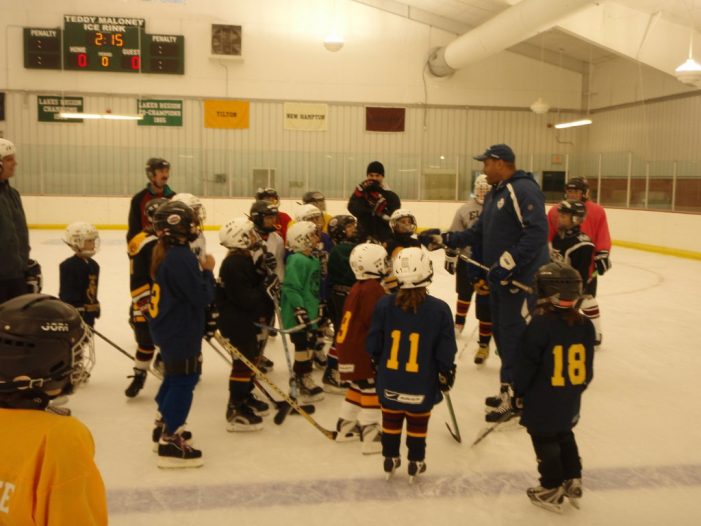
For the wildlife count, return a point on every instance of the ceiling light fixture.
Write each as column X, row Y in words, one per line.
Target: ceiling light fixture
column 690, row 71
column 540, row 107
column 572, row 124
column 106, row 116
column 333, row 42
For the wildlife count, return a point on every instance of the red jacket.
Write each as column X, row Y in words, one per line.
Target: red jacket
column 353, row 360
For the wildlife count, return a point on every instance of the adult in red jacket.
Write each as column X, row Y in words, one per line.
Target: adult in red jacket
column 596, row 227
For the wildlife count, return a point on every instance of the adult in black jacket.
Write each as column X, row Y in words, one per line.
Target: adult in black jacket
column 372, row 203
column 14, row 235
column 157, row 171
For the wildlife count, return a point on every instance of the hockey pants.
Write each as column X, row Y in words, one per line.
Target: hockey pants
column 558, row 457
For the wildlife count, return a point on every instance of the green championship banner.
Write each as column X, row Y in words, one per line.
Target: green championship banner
column 160, row 112
column 305, row 116
column 49, row 107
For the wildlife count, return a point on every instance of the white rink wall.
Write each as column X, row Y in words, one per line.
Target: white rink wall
column 666, row 230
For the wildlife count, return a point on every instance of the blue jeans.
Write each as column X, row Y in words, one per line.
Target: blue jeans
column 174, row 399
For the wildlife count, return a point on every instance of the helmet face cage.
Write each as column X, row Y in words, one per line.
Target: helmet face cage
column 559, row 284
column 338, row 225
column 239, row 233
column 300, row 236
column 152, row 206
column 176, row 223
column 369, row 261
column 259, row 211
column 397, row 215
column 193, row 202
column 413, row 268
column 481, row 188
column 44, row 344
column 576, row 209
column 308, row 213
column 78, row 234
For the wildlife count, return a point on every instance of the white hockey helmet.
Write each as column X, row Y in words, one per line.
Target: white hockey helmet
column 481, row 188
column 77, row 234
column 307, row 212
column 400, row 214
column 240, row 232
column 413, row 268
column 193, row 202
column 369, row 261
column 299, row 236
column 6, row 148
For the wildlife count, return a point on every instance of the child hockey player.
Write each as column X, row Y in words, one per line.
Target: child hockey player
column 300, row 303
column 343, row 230
column 554, row 367
column 199, row 245
column 140, row 251
column 48, row 473
column 403, row 225
column 470, row 278
column 360, row 412
column 412, row 344
column 282, row 219
column 181, row 290
column 242, row 301
column 574, row 247
column 79, row 274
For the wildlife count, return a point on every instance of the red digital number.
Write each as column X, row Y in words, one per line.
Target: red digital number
column 82, row 60
column 135, row 62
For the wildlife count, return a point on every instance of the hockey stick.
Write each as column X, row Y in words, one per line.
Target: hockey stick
column 291, row 330
column 331, row 435
column 503, row 419
column 456, row 434
column 469, row 339
column 282, row 406
column 513, row 282
column 125, row 353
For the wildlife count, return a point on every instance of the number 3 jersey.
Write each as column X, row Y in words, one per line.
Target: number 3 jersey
column 554, row 367
column 409, row 350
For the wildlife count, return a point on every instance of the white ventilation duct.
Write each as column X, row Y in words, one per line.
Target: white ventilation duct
column 514, row 25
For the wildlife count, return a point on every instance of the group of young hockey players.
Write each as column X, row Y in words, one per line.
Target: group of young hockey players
column 356, row 306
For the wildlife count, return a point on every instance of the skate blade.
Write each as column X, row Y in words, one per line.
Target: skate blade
column 332, row 389
column 555, row 508
column 310, row 399
column 574, row 502
column 238, row 428
column 179, row 463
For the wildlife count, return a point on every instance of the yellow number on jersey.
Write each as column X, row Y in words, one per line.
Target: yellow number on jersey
column 343, row 331
column 576, row 365
column 153, row 302
column 412, row 366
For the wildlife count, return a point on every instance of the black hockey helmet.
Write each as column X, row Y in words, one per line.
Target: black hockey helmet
column 176, row 222
column 152, row 206
column 578, row 183
column 559, row 284
column 153, row 164
column 313, row 197
column 44, row 344
column 337, row 227
column 576, row 209
column 263, row 194
column 260, row 209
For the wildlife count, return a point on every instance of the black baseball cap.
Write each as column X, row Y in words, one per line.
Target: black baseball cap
column 497, row 151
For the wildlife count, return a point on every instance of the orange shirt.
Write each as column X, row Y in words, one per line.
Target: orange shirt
column 47, row 473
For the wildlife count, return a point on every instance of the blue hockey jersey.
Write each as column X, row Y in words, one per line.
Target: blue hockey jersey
column 409, row 350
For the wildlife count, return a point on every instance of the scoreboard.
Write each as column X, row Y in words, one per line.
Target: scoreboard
column 103, row 43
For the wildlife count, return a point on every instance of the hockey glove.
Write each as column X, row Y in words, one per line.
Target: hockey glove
column 33, row 277
column 501, row 272
column 432, row 239
column 379, row 207
column 451, row 260
column 481, row 287
column 302, row 317
column 269, row 262
column 367, row 186
column 602, row 262
column 210, row 324
column 446, row 379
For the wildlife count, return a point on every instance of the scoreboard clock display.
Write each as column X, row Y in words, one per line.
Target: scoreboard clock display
column 103, row 43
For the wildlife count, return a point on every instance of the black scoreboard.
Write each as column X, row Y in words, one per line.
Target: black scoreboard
column 103, row 43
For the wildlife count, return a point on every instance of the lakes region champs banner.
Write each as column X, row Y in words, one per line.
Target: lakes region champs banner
column 305, row 116
column 226, row 114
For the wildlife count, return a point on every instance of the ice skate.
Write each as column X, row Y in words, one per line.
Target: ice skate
column 175, row 452
column 348, row 430
column 309, row 392
column 495, row 401
column 159, row 426
column 331, row 382
column 548, row 498
column 390, row 466
column 482, row 354
column 240, row 417
column 259, row 407
column 319, row 358
column 458, row 330
column 265, row 364
column 573, row 491
column 137, row 383
column 371, row 436
column 416, row 467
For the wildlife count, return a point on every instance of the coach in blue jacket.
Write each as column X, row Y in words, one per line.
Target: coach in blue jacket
column 512, row 236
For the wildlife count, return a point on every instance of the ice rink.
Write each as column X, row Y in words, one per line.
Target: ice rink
column 639, row 434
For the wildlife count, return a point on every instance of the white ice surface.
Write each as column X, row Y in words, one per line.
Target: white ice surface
column 639, row 436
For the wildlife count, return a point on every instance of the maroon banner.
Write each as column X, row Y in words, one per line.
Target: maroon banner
column 384, row 119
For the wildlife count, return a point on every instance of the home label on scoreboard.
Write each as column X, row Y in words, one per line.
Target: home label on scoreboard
column 102, row 43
